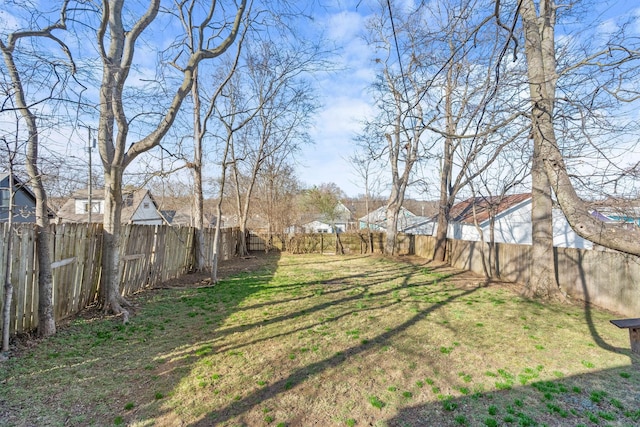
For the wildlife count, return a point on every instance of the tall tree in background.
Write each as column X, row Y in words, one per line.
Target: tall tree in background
column 368, row 172
column 397, row 132
column 323, row 201
column 281, row 103
column 203, row 109
column 117, row 48
column 26, row 107
column 539, row 22
column 275, row 195
column 476, row 105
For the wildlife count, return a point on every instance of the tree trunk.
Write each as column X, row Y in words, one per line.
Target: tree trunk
column 198, row 198
column 540, row 56
column 393, row 211
column 440, row 250
column 46, row 319
column 339, row 247
column 493, row 247
column 112, row 299
column 216, row 238
column 366, row 207
column 446, row 174
column 216, row 250
column 8, row 287
column 541, row 69
column 541, row 281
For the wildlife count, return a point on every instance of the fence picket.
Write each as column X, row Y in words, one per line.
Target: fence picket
column 159, row 253
column 149, row 255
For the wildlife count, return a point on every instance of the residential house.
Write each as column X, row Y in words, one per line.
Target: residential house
column 422, row 225
column 512, row 222
column 377, row 220
column 24, row 201
column 323, row 224
column 184, row 217
column 619, row 211
column 139, row 208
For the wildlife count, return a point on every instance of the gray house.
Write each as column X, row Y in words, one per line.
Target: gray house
column 139, row 208
column 24, row 201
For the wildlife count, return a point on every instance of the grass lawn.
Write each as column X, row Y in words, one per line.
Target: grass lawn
column 331, row 341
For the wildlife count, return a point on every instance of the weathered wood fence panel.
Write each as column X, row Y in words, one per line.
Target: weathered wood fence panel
column 75, row 268
column 608, row 279
column 173, row 253
column 352, row 243
column 149, row 254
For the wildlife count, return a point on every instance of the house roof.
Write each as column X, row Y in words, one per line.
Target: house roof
column 482, row 207
column 131, row 200
column 22, row 186
column 17, row 182
column 380, row 215
column 184, row 216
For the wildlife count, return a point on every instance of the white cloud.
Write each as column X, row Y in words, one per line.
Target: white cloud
column 8, row 22
column 333, row 134
column 344, row 25
column 608, row 27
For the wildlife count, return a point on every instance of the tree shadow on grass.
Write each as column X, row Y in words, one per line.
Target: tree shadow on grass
column 603, row 397
column 162, row 349
column 302, row 374
column 95, row 365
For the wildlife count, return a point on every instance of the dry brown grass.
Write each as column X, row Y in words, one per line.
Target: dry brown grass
column 326, row 340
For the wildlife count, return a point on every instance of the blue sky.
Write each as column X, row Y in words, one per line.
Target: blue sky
column 345, row 97
column 344, row 92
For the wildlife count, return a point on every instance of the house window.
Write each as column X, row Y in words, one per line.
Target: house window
column 145, row 205
column 94, row 205
column 4, row 198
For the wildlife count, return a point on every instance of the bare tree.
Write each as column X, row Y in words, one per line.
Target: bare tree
column 368, row 172
column 117, row 48
column 539, row 23
column 275, row 197
column 228, row 143
column 8, row 193
column 397, row 132
column 203, row 109
column 26, row 109
column 281, row 105
column 476, row 105
column 324, row 201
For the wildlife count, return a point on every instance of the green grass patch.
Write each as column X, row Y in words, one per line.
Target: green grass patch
column 427, row 343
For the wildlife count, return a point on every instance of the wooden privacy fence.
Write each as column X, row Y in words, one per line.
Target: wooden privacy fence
column 608, row 279
column 352, row 243
column 148, row 255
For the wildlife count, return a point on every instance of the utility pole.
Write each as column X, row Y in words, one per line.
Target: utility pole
column 91, row 144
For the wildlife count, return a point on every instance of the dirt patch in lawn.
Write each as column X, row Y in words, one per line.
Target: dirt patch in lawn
column 226, row 268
